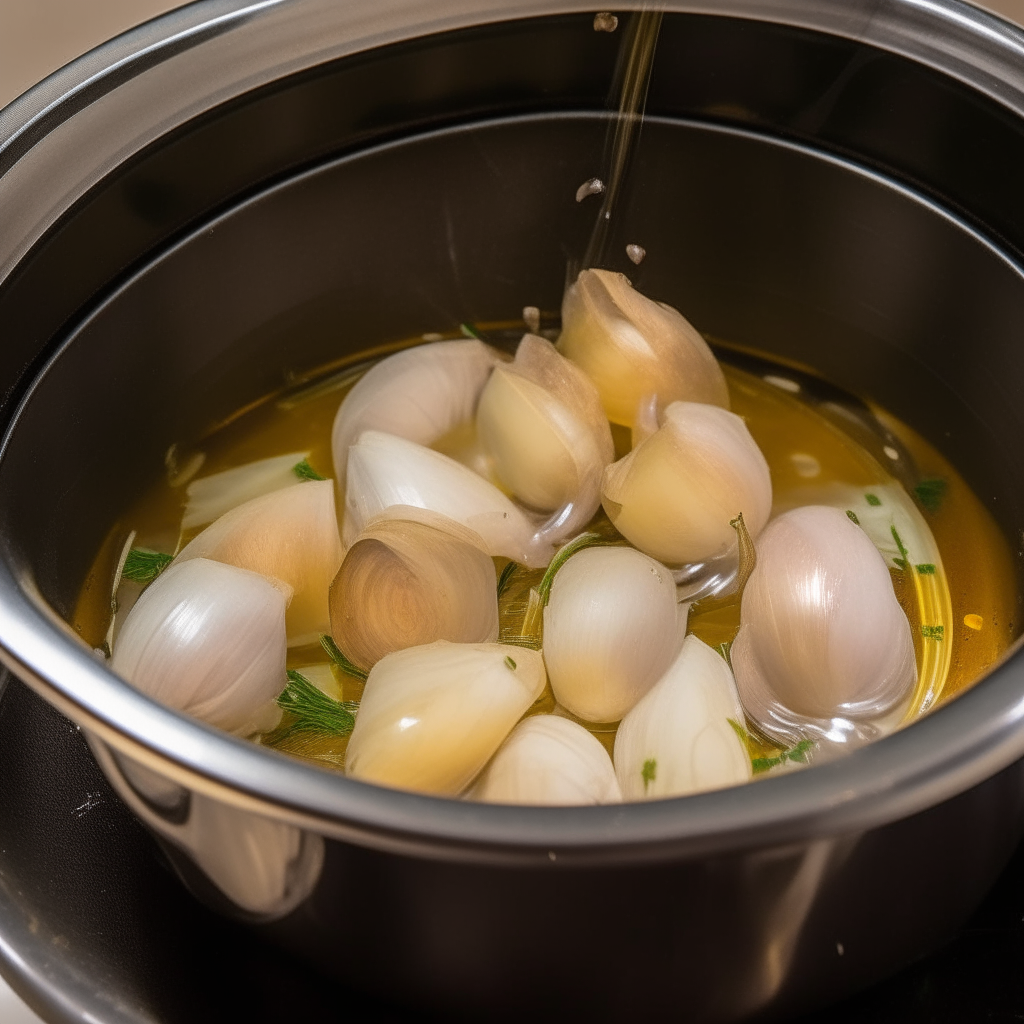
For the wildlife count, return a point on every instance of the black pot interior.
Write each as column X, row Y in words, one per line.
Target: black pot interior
column 245, row 250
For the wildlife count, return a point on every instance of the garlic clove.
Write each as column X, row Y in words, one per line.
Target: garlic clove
column 678, row 739
column 431, row 717
column 290, row 535
column 549, row 760
column 610, row 631
column 412, row 577
column 209, row 639
column 674, row 495
column 540, row 419
column 419, row 393
column 209, row 497
column 822, row 636
column 632, row 347
column 384, row 470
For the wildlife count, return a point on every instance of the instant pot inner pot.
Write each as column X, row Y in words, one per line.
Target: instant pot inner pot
column 792, row 192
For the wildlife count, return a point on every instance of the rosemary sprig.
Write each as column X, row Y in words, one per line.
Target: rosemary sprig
column 334, row 653
column 304, row 471
column 313, row 710
column 143, row 566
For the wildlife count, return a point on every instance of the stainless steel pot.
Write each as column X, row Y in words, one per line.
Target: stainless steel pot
column 235, row 194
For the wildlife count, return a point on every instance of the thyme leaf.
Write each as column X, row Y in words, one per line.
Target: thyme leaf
column 304, row 471
column 510, row 664
column 873, row 500
column 313, row 710
column 853, row 516
column 930, row 493
column 333, row 652
column 143, row 566
column 649, row 772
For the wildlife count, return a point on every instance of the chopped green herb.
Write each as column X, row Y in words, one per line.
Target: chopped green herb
column 873, row 500
column 762, row 764
column 904, row 560
column 339, row 659
column 797, row 753
column 304, row 471
column 648, row 772
column 925, row 569
column 506, row 577
column 930, row 493
column 143, row 566
column 510, row 664
column 932, row 632
column 853, row 516
column 313, row 710
column 470, row 331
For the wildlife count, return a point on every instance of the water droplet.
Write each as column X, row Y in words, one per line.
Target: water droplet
column 636, row 253
column 605, row 21
column 531, row 317
column 891, row 453
column 591, row 187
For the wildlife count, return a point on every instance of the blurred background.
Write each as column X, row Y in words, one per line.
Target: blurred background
column 39, row 36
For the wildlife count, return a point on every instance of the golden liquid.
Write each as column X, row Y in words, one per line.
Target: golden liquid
column 791, row 433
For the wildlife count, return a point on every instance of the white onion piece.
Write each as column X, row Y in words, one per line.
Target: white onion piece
column 549, row 760
column 632, row 347
column 384, row 470
column 540, row 420
column 822, row 639
column 419, row 393
column 675, row 494
column 209, row 639
column 678, row 739
column 610, row 631
column 412, row 577
column 211, row 496
column 289, row 535
column 431, row 717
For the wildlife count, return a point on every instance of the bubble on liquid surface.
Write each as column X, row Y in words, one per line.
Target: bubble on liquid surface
column 591, row 187
column 605, row 21
column 636, row 253
column 531, row 317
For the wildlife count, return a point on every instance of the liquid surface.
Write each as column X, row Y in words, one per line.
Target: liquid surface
column 809, row 447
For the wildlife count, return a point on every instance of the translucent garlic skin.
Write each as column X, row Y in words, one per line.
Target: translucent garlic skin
column 822, row 638
column 632, row 347
column 610, row 631
column 208, row 639
column 431, row 717
column 549, row 760
column 675, row 494
column 289, row 535
column 384, row 471
column 411, row 578
column 540, row 420
column 678, row 740
column 419, row 393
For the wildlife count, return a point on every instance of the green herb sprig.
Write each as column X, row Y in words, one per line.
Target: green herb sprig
column 304, row 471
column 313, row 710
column 143, row 566
column 333, row 652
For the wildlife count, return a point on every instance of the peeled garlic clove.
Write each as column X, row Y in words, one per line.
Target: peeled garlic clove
column 822, row 636
column 678, row 738
column 384, row 470
column 610, row 631
column 209, row 497
column 431, row 717
column 540, row 420
column 208, row 639
column 290, row 535
column 420, row 394
column 676, row 493
column 632, row 347
column 549, row 760
column 411, row 578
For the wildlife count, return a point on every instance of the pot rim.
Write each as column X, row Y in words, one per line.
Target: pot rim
column 957, row 747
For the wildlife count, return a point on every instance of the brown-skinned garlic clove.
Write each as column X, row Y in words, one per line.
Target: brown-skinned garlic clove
column 632, row 347
column 412, row 577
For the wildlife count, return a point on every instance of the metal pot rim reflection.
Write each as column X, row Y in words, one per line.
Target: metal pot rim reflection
column 215, row 51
